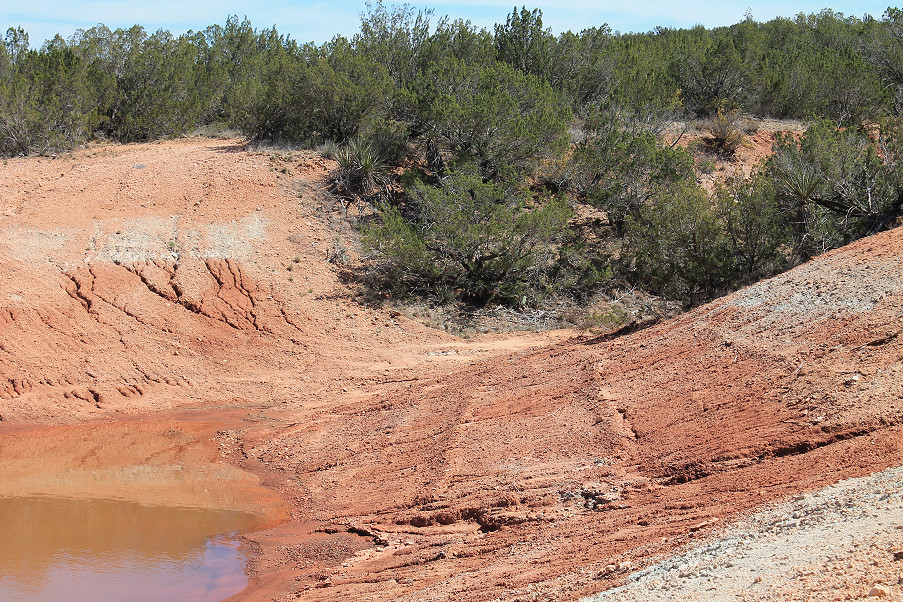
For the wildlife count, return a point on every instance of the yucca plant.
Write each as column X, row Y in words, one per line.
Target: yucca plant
column 362, row 175
column 798, row 186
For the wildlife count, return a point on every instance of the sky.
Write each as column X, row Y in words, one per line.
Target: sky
column 319, row 20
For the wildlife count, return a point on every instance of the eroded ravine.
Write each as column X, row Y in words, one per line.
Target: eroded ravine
column 414, row 465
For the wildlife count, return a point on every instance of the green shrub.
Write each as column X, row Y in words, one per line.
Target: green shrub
column 838, row 184
column 687, row 246
column 676, row 247
column 619, row 164
column 388, row 137
column 724, row 132
column 145, row 85
column 502, row 119
column 523, row 43
column 312, row 96
column 362, row 174
column 714, row 77
column 482, row 241
column 755, row 232
column 45, row 102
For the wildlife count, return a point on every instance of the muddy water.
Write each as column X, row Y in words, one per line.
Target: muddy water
column 125, row 511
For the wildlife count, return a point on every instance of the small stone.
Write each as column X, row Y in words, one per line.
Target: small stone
column 879, row 591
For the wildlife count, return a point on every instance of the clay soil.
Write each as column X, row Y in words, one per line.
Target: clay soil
column 191, row 278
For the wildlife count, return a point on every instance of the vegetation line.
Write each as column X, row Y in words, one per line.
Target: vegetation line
column 513, row 166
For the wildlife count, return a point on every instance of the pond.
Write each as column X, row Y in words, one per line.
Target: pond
column 125, row 511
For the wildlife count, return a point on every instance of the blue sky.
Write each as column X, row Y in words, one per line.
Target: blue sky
column 319, row 20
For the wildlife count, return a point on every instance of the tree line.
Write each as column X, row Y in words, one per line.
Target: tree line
column 503, row 135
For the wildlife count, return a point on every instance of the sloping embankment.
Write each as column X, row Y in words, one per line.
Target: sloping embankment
column 556, row 473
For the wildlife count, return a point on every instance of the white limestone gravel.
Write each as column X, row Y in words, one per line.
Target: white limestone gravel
column 835, row 544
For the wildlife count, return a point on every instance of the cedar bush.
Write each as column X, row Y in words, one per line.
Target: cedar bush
column 686, row 246
column 478, row 240
column 500, row 118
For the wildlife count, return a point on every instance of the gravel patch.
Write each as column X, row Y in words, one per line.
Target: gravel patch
column 842, row 542
column 826, row 290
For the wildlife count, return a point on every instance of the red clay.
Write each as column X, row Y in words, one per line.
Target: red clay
column 419, row 466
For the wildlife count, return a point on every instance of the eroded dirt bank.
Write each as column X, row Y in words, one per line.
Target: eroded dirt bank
column 192, row 275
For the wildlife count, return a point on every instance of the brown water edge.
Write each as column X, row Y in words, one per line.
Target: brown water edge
column 56, row 548
column 98, row 498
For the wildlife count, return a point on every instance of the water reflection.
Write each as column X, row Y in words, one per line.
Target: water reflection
column 124, row 512
column 75, row 549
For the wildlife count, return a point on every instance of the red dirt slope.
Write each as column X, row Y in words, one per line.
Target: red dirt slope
column 191, row 272
column 539, row 476
column 191, row 277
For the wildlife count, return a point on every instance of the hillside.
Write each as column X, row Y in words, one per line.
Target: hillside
column 153, row 276
column 526, row 477
column 191, row 278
